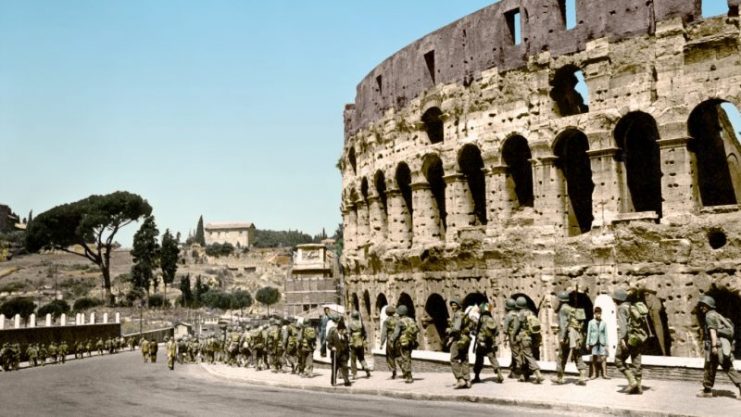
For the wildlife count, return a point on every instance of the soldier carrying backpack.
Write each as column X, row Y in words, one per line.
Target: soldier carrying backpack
column 632, row 334
column 718, row 333
column 527, row 337
column 570, row 338
column 405, row 337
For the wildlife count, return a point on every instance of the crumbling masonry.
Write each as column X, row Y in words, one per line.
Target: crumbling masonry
column 473, row 168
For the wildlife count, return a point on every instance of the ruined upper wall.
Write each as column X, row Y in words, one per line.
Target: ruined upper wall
column 484, row 40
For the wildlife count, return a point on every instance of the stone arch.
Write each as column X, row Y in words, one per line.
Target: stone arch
column 433, row 124
column 568, row 101
column 727, row 303
column 570, row 149
column 352, row 159
column 381, row 302
column 659, row 341
column 355, row 302
column 404, row 182
column 713, row 142
column 402, row 228
column 406, row 300
column 582, row 300
column 367, row 303
column 637, row 135
column 432, row 169
column 471, row 165
column 379, row 181
column 364, row 189
column 516, row 155
column 474, row 299
column 435, row 322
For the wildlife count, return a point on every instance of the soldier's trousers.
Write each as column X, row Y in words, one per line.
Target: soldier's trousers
column 277, row 359
column 357, row 354
column 306, row 362
column 515, row 364
column 563, row 357
column 482, row 353
column 392, row 354
column 171, row 362
column 711, row 367
column 622, row 354
column 459, row 362
column 258, row 357
column 405, row 362
column 528, row 363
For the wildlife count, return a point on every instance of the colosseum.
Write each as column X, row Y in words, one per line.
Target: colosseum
column 474, row 168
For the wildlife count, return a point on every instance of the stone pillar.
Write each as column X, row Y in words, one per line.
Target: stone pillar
column 105, row 318
column 459, row 204
column 48, row 320
column 2, row 321
column 32, row 320
column 17, row 321
column 376, row 219
column 497, row 199
column 362, row 235
column 92, row 318
column 63, row 320
column 606, row 197
column 548, row 188
column 426, row 215
column 399, row 221
column 678, row 186
column 351, row 221
column 118, row 317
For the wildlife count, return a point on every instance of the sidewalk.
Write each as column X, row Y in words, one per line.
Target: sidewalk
column 660, row 398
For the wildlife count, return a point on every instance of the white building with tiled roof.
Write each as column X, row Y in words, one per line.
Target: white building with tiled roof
column 240, row 235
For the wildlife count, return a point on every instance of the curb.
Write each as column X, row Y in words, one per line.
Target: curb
column 532, row 404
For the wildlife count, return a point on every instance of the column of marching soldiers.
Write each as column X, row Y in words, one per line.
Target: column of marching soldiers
column 40, row 354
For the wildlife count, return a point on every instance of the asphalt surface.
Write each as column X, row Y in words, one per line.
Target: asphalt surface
column 122, row 385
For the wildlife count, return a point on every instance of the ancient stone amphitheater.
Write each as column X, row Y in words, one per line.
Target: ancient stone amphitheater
column 474, row 168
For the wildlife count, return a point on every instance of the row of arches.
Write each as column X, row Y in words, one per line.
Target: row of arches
column 714, row 144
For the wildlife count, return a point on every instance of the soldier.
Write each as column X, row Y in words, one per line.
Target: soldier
column 357, row 345
column 387, row 330
column 182, row 348
column 89, row 347
column 172, row 352
column 63, row 351
column 99, row 346
column 293, row 332
column 193, row 349
column 718, row 334
column 275, row 346
column 258, row 348
column 629, row 342
column 245, row 356
column 145, row 349
column 459, row 340
column 33, row 355
column 509, row 320
column 570, row 338
column 79, row 350
column 209, row 349
column 52, row 352
column 232, row 347
column 486, row 344
column 153, row 350
column 405, row 338
column 132, row 343
column 307, row 345
column 527, row 337
column 42, row 354
column 339, row 343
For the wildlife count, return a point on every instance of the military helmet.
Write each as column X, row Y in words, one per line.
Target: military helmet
column 521, row 303
column 484, row 308
column 355, row 314
column 563, row 296
column 454, row 301
column 390, row 310
column 510, row 304
column 708, row 301
column 402, row 310
column 620, row 295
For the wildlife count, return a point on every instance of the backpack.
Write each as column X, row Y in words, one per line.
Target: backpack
column 532, row 324
column 356, row 336
column 726, row 330
column 638, row 330
column 408, row 337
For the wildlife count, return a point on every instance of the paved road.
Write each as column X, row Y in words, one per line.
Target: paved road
column 122, row 385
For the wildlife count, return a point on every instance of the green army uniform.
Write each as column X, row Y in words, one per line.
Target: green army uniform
column 486, row 344
column 625, row 349
column 52, row 352
column 153, row 350
column 16, row 356
column 63, row 351
column 89, row 347
column 182, row 351
column 33, row 355
column 42, row 354
column 258, row 348
column 570, row 339
column 232, row 348
column 405, row 338
column 209, row 349
column 526, row 341
column 339, row 342
column 275, row 347
column 172, row 352
column 509, row 333
column 357, row 345
column 292, row 354
column 144, row 345
column 194, row 350
column 79, row 350
column 392, row 349
column 718, row 334
column 459, row 340
column 245, row 355
column 99, row 346
column 307, row 345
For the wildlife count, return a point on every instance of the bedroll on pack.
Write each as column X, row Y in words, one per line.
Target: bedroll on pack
column 356, row 338
column 638, row 328
column 726, row 329
column 533, row 324
column 409, row 335
column 309, row 333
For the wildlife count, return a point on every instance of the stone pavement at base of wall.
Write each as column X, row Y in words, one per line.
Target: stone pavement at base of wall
column 660, row 398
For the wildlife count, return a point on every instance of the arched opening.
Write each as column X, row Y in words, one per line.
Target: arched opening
column 353, row 161
column 516, row 155
column 636, row 134
column 659, row 341
column 381, row 302
column 404, row 182
column 432, row 119
column 355, row 302
column 727, row 303
column 582, row 300
column 474, row 299
column 364, row 189
column 435, row 323
column 566, row 85
column 472, row 167
column 380, row 183
column 406, row 300
column 367, row 303
column 717, row 148
column 432, row 169
column 573, row 162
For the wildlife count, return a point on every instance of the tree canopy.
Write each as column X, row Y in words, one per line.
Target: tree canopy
column 169, row 253
column 145, row 253
column 267, row 296
column 200, row 236
column 23, row 306
column 91, row 223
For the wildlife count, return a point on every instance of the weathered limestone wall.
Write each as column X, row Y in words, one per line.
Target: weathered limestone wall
column 594, row 221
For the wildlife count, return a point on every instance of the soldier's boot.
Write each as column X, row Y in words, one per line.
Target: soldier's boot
column 538, row 377
column 639, row 390
column 347, row 380
column 522, row 378
column 468, row 383
column 500, row 377
column 460, row 384
column 408, row 378
column 604, row 370
column 582, row 377
column 393, row 374
column 476, row 379
column 367, row 372
column 558, row 379
column 632, row 384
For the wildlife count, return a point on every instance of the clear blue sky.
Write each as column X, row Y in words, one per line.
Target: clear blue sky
column 230, row 109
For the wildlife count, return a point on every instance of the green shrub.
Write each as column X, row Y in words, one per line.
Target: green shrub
column 218, row 249
column 56, row 308
column 84, row 303
column 156, row 300
column 18, row 305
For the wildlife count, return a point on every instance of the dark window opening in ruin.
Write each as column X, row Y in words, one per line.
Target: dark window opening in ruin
column 430, row 63
column 582, row 300
column 406, row 300
column 572, row 160
column 569, row 91
column 433, row 171
column 637, row 135
column 659, row 342
column 474, row 299
column 364, row 189
column 435, row 322
column 379, row 84
column 727, row 303
column 472, row 167
column 516, row 155
column 433, row 122
column 514, row 24
column 568, row 13
column 717, row 152
column 352, row 160
column 717, row 239
column 380, row 182
column 381, row 302
column 355, row 302
column 367, row 303
column 404, row 182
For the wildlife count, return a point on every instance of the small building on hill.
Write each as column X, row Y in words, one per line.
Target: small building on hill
column 241, row 235
column 312, row 281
